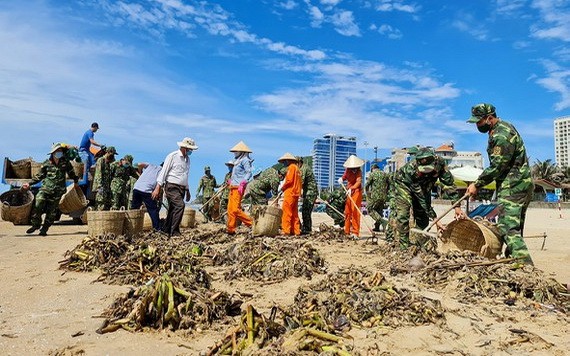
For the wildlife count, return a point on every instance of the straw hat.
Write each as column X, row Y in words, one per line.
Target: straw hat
column 353, row 162
column 287, row 157
column 189, row 143
column 240, row 147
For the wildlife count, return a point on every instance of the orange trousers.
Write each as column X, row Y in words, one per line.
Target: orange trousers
column 234, row 210
column 290, row 223
column 352, row 214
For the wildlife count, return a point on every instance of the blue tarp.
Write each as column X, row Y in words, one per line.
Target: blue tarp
column 551, row 198
column 483, row 210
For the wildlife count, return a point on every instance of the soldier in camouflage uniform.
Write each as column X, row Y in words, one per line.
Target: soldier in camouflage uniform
column 265, row 182
column 207, row 185
column 337, row 200
column 310, row 193
column 52, row 175
column 226, row 192
column 510, row 170
column 121, row 171
column 413, row 184
column 102, row 180
column 377, row 190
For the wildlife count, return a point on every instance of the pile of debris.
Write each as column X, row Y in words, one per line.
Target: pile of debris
column 125, row 260
column 271, row 259
column 168, row 303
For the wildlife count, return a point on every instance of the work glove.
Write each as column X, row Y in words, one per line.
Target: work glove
column 241, row 187
column 340, row 181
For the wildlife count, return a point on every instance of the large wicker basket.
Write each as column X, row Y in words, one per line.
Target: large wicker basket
column 22, row 168
column 105, row 222
column 17, row 206
column 467, row 234
column 72, row 200
column 188, row 219
column 134, row 221
column 35, row 168
column 78, row 168
column 266, row 220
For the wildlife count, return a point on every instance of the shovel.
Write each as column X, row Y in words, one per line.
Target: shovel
column 425, row 232
column 373, row 237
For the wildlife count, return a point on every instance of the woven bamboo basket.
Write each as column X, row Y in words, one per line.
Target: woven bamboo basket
column 72, row 200
column 103, row 222
column 467, row 234
column 78, row 168
column 147, row 222
column 134, row 221
column 17, row 206
column 188, row 219
column 22, row 168
column 266, row 220
column 35, row 168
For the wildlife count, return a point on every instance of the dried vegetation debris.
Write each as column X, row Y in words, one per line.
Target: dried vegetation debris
column 270, row 259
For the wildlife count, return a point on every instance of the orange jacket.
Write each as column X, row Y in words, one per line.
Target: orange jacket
column 354, row 178
column 293, row 183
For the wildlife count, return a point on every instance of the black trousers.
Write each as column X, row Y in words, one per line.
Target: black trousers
column 152, row 206
column 174, row 194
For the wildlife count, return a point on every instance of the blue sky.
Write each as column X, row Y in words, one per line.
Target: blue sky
column 277, row 74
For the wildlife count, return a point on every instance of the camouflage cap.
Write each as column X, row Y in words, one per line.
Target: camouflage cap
column 128, row 158
column 374, row 165
column 412, row 150
column 207, row 168
column 112, row 149
column 425, row 158
column 480, row 110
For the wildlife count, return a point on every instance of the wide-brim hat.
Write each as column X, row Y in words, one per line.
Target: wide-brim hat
column 189, row 143
column 287, row 157
column 55, row 147
column 241, row 147
column 230, row 163
column 353, row 162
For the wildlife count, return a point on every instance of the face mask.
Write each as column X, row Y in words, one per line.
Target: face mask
column 236, row 154
column 484, row 128
column 126, row 165
column 58, row 155
column 188, row 152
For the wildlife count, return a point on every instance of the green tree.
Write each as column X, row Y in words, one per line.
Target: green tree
column 544, row 170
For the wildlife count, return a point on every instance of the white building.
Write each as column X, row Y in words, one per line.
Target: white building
column 562, row 141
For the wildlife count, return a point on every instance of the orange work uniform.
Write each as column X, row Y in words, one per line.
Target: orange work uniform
column 290, row 223
column 234, row 210
column 352, row 215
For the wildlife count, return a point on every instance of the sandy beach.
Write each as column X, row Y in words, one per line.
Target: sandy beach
column 45, row 310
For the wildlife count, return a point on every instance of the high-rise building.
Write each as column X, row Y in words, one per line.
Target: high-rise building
column 562, row 141
column 329, row 154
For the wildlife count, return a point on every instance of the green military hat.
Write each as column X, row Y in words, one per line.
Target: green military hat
column 207, row 168
column 412, row 150
column 112, row 149
column 425, row 158
column 481, row 110
column 374, row 165
column 129, row 159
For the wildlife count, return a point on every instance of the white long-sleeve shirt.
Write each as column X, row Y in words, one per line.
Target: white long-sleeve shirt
column 175, row 170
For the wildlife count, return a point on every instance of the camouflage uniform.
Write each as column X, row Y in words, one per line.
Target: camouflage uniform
column 412, row 189
column 267, row 181
column 120, row 182
column 53, row 178
column 510, row 170
column 207, row 185
column 377, row 190
column 337, row 199
column 391, row 226
column 102, row 184
column 225, row 194
column 310, row 193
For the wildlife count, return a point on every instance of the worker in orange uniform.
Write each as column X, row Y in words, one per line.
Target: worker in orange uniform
column 241, row 174
column 353, row 176
column 290, row 223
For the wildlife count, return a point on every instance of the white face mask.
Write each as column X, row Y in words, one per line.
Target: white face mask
column 58, row 154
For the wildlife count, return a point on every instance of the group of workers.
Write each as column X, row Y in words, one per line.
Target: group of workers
column 406, row 191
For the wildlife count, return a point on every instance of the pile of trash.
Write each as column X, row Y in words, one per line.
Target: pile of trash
column 168, row 303
column 135, row 260
column 270, row 259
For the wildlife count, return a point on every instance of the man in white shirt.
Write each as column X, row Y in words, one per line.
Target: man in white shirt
column 142, row 192
column 173, row 180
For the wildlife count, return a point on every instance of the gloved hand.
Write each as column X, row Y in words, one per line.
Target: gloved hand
column 241, row 187
column 340, row 181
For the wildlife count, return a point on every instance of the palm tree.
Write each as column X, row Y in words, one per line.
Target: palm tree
column 544, row 170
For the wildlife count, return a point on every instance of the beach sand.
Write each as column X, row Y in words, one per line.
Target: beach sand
column 45, row 310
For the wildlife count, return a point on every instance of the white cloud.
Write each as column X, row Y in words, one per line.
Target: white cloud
column 388, row 31
column 555, row 15
column 396, row 5
column 317, row 17
column 557, row 80
column 510, row 8
column 468, row 24
column 343, row 21
column 330, row 2
column 288, row 5
column 521, row 44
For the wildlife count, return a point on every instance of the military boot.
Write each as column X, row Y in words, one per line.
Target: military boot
column 32, row 230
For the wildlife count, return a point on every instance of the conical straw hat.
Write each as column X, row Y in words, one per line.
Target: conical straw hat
column 240, row 147
column 287, row 156
column 353, row 162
